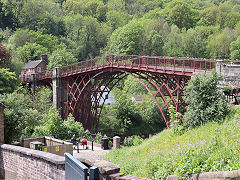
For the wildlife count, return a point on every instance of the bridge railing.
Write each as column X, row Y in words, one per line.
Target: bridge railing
column 42, row 75
column 167, row 62
column 194, row 64
column 158, row 62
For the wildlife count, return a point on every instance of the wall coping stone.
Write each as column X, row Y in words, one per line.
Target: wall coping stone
column 211, row 175
column 59, row 160
column 105, row 167
column 232, row 65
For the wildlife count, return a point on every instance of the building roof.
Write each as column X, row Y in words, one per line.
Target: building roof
column 32, row 64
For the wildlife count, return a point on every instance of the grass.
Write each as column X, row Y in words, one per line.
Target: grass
column 211, row 147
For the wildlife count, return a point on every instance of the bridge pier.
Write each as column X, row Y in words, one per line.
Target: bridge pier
column 56, row 87
column 219, row 66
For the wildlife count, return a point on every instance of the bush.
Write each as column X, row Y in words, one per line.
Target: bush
column 19, row 115
column 52, row 124
column 204, row 99
column 176, row 122
column 132, row 141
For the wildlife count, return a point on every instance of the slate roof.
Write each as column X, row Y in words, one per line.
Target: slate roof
column 32, row 64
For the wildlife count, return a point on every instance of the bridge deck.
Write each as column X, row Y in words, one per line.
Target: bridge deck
column 168, row 65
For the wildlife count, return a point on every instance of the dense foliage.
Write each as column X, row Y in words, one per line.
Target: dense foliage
column 77, row 30
column 53, row 125
column 208, row 148
column 7, row 81
column 205, row 101
column 19, row 115
column 126, row 117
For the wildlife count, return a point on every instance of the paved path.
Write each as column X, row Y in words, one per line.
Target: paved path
column 88, row 153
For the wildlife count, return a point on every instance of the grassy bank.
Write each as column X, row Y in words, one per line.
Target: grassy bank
column 211, row 147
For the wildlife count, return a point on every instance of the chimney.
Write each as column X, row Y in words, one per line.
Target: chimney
column 44, row 57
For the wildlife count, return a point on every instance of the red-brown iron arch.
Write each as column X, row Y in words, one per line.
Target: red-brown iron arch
column 88, row 89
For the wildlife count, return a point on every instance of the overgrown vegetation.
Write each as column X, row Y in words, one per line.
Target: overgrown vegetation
column 210, row 147
column 126, row 117
column 75, row 30
column 206, row 139
column 205, row 100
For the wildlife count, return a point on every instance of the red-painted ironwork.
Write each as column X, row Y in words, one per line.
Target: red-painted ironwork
column 87, row 84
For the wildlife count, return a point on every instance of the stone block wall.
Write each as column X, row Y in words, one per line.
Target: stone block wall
column 23, row 163
column 230, row 72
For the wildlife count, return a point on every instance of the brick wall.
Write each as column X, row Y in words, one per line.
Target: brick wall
column 23, row 163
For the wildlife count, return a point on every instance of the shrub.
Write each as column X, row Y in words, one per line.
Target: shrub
column 176, row 122
column 52, row 124
column 132, row 141
column 204, row 99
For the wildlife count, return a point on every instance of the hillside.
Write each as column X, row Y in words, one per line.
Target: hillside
column 75, row 30
column 211, row 147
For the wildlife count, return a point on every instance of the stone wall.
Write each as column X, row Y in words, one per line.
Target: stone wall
column 23, row 163
column 230, row 72
column 221, row 175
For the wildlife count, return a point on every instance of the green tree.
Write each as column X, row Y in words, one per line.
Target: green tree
column 153, row 45
column 5, row 57
column 235, row 49
column 30, row 51
column 127, row 39
column 133, row 86
column 182, row 15
column 7, row 81
column 41, row 15
column 219, row 44
column 153, row 121
column 209, row 16
column 173, row 45
column 23, row 36
column 193, row 43
column 18, row 114
column 52, row 124
column 205, row 101
column 87, row 35
column 42, row 99
column 60, row 57
column 117, row 19
column 7, row 18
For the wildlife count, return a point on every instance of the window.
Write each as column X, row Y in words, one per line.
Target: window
column 39, row 69
column 29, row 70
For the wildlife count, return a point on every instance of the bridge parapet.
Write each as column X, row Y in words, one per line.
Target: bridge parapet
column 132, row 61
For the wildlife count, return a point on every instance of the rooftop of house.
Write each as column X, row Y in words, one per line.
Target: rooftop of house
column 32, row 64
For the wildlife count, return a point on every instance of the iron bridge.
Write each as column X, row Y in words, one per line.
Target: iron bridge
column 79, row 88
